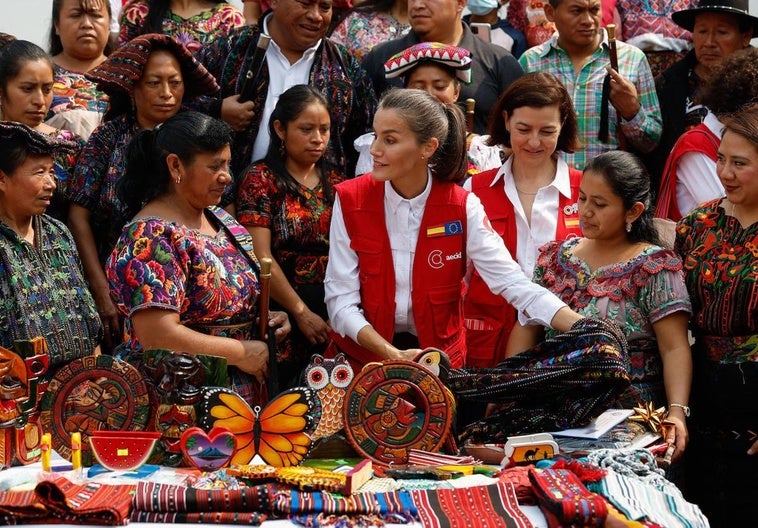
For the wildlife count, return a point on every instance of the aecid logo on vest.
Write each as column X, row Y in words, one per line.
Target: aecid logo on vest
column 436, row 260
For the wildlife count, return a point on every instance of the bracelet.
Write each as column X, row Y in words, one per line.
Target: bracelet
column 685, row 408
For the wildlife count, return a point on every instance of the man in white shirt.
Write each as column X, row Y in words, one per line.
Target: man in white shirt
column 298, row 54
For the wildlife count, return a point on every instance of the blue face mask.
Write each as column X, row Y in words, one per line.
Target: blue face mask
column 481, row 7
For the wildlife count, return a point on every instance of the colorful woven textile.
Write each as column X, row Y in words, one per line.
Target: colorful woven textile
column 390, row 505
column 62, row 501
column 169, row 498
column 564, row 499
column 642, row 501
column 240, row 518
column 453, row 57
column 492, row 506
column 35, row 142
column 121, row 71
column 21, row 507
column 563, row 382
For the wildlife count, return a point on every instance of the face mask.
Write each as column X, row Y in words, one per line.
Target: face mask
column 482, row 7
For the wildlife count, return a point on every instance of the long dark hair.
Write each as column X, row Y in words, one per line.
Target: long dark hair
column 629, row 180
column 185, row 134
column 15, row 55
column 56, row 46
column 157, row 10
column 428, row 118
column 291, row 104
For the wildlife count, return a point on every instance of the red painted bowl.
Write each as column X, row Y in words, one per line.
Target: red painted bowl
column 123, row 450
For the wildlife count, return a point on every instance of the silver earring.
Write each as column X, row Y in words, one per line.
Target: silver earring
column 628, row 227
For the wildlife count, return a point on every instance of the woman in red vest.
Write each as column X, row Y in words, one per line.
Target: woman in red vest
column 402, row 238
column 530, row 200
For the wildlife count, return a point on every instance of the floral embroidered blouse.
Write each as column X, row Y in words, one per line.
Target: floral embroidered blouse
column 160, row 264
column 193, row 32
column 206, row 279
column 720, row 259
column 299, row 224
column 633, row 294
column 361, row 30
column 77, row 105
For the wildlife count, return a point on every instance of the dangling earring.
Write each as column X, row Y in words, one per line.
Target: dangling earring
column 178, row 180
column 282, row 150
column 628, row 227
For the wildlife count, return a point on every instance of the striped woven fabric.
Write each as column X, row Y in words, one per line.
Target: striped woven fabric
column 493, row 506
column 169, row 498
column 563, row 382
column 60, row 501
column 240, row 518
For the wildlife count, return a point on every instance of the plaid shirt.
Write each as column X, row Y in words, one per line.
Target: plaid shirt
column 586, row 89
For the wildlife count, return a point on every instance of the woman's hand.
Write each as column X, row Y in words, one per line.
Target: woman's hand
column 677, row 435
column 408, row 355
column 112, row 333
column 753, row 448
column 280, row 321
column 315, row 329
column 254, row 359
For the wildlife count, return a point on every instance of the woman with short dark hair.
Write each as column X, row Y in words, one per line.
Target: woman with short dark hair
column 43, row 291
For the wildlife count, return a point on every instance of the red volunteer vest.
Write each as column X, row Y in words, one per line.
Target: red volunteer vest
column 488, row 317
column 697, row 139
column 439, row 266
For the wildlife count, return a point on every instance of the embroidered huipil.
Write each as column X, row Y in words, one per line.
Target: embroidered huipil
column 193, row 32
column 43, row 292
column 633, row 294
column 206, row 279
column 101, row 164
column 642, row 132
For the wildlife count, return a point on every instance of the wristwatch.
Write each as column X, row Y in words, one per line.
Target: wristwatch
column 685, row 408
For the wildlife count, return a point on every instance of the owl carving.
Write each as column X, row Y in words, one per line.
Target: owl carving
column 330, row 378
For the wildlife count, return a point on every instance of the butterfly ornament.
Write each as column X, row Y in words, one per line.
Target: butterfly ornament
column 279, row 433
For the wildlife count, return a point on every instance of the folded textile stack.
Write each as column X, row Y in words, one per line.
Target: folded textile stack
column 561, row 383
column 167, row 503
column 61, row 501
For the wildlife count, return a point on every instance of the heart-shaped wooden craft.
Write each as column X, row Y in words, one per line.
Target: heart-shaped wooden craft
column 208, row 451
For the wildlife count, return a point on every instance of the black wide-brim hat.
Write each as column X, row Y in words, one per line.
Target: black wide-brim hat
column 738, row 8
column 36, row 143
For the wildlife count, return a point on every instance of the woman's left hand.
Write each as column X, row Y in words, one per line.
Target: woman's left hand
column 678, row 435
column 280, row 321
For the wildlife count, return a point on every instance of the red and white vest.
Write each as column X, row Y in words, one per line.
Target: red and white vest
column 489, row 317
column 439, row 266
column 697, row 139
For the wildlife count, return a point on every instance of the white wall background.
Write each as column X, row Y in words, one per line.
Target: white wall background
column 30, row 19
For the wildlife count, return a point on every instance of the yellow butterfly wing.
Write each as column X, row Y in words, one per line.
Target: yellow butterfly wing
column 279, row 434
column 285, row 426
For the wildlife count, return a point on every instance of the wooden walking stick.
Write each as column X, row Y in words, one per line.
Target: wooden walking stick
column 265, row 332
column 470, row 104
column 256, row 65
column 611, row 28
